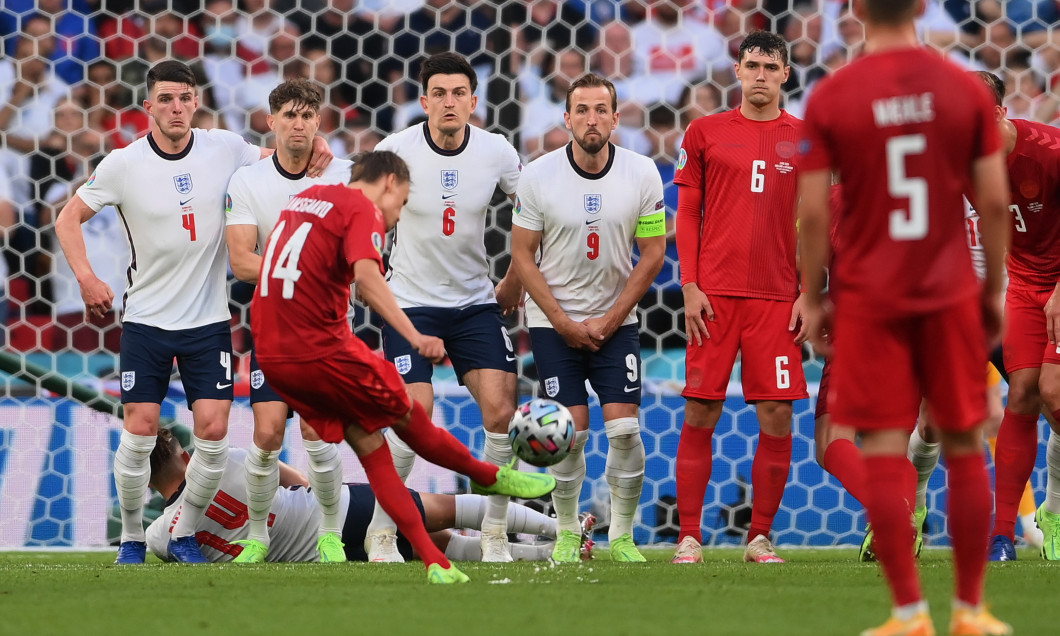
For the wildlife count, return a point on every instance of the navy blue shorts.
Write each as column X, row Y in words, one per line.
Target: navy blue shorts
column 204, row 357
column 475, row 338
column 613, row 371
column 359, row 515
column 260, row 390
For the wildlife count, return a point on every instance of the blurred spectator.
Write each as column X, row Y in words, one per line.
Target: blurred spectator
column 545, row 111
column 698, row 99
column 109, row 105
column 121, row 33
column 252, row 92
column 7, row 220
column 803, row 31
column 257, row 23
column 77, row 43
column 669, row 49
column 540, row 27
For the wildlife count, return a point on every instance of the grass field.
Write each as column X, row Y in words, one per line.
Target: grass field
column 818, row 592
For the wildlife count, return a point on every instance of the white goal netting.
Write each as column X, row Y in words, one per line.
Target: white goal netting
column 72, row 78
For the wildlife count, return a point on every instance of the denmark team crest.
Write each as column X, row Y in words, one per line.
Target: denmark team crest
column 128, row 380
column 183, row 183
column 403, row 364
column 593, row 203
column 257, row 379
column 552, row 386
column 450, row 179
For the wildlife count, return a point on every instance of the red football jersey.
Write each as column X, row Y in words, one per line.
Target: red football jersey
column 746, row 170
column 1034, row 185
column 903, row 128
column 300, row 304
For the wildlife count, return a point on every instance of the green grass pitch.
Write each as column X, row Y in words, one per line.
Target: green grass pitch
column 818, row 592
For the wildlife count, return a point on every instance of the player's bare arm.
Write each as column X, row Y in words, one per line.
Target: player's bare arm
column 525, row 244
column 798, row 309
column 318, row 160
column 1052, row 314
column 814, row 219
column 372, row 288
column 246, row 263
column 990, row 180
column 98, row 296
column 291, row 476
column 652, row 254
column 509, row 292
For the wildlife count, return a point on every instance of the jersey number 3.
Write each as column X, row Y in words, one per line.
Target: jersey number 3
column 287, row 262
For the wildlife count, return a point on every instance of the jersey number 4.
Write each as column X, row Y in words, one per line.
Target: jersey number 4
column 286, row 268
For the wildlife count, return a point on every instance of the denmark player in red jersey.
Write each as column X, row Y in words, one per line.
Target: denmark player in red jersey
column 327, row 238
column 736, row 243
column 909, row 133
column 1032, row 328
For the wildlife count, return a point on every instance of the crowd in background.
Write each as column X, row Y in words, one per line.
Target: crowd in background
column 72, row 75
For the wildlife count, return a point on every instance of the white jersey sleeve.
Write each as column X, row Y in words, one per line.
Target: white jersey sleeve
column 106, row 185
column 237, row 200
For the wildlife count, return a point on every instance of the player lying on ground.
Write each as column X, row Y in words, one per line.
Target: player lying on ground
column 295, row 515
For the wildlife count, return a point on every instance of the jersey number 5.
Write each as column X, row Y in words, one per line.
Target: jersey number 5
column 287, row 262
column 911, row 225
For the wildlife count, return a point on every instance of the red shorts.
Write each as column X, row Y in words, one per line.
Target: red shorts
column 821, row 409
column 350, row 387
column 758, row 330
column 1026, row 342
column 882, row 367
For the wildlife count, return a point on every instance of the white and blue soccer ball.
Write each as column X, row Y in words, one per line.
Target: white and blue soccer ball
column 541, row 432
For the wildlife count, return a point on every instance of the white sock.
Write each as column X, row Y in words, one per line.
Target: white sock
column 625, row 476
column 325, row 478
column 1052, row 485
column 463, row 548
column 909, row 612
column 404, row 459
column 520, row 520
column 532, row 551
column 263, row 479
column 925, row 457
column 497, row 451
column 132, row 471
column 569, row 474
column 203, row 479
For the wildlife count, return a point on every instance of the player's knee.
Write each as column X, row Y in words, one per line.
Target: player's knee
column 213, row 429
column 498, row 417
column 269, row 439
column 703, row 413
column 1024, row 398
column 1049, row 391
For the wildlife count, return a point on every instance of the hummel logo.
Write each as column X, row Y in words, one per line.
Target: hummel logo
column 186, row 202
column 630, row 389
column 223, row 386
column 510, row 358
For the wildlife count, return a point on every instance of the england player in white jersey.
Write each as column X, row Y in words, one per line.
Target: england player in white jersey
column 169, row 189
column 295, row 517
column 578, row 212
column 439, row 273
column 256, row 196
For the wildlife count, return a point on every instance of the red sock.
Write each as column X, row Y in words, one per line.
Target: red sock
column 439, row 447
column 769, row 475
column 395, row 499
column 694, row 463
column 843, row 460
column 888, row 479
column 969, row 523
column 1017, row 450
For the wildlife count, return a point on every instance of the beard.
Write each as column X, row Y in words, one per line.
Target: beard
column 594, row 145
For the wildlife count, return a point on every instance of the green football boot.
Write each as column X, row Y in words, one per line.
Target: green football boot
column 623, row 550
column 568, row 547
column 436, row 574
column 254, row 551
column 331, row 550
column 513, row 483
column 1049, row 524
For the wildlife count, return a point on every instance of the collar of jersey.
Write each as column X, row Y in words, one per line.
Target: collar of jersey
column 442, row 151
column 167, row 156
column 591, row 175
column 293, row 176
column 172, row 500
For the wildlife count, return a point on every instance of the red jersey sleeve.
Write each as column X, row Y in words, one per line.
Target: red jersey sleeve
column 690, row 161
column 365, row 233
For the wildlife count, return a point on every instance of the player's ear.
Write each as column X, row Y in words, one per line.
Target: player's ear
column 423, row 102
column 271, row 121
column 185, row 457
column 566, row 121
column 787, row 72
column 614, row 122
column 474, row 102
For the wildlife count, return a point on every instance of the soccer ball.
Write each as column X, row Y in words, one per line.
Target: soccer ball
column 541, row 432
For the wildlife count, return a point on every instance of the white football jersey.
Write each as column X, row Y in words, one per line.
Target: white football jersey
column 439, row 255
column 259, row 192
column 293, row 522
column 173, row 210
column 588, row 223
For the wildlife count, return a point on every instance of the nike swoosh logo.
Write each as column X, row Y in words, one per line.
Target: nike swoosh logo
column 630, row 389
column 223, row 386
column 591, row 222
column 510, row 358
column 448, row 196
column 186, row 202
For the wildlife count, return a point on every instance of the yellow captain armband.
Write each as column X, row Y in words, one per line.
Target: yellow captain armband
column 652, row 225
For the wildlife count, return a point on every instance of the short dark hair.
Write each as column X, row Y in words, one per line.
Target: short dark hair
column 447, row 64
column 994, row 83
column 769, row 43
column 301, row 91
column 592, row 80
column 374, row 165
column 170, row 71
column 890, row 11
column 167, row 449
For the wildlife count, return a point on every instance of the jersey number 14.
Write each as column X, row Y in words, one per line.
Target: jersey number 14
column 287, row 262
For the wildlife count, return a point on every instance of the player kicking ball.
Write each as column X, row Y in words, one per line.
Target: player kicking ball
column 327, row 238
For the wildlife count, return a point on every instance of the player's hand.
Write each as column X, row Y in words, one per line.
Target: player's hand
column 98, row 297
column 797, row 311
column 697, row 308
column 509, row 295
column 1052, row 316
column 600, row 330
column 430, row 347
column 320, row 157
column 993, row 317
column 576, row 335
column 817, row 322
